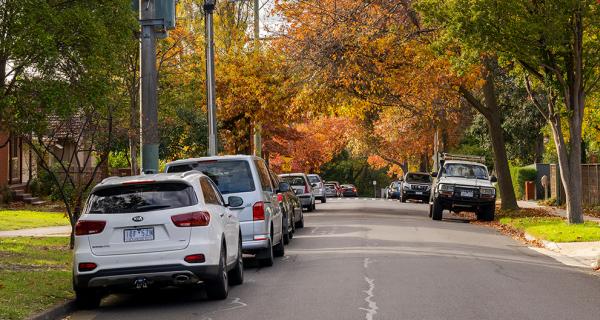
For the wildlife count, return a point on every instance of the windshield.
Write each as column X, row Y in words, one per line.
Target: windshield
column 230, row 176
column 297, row 181
column 141, row 198
column 465, row 170
column 418, row 178
column 314, row 179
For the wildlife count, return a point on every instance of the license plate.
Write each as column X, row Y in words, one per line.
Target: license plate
column 141, row 234
column 466, row 194
column 418, row 193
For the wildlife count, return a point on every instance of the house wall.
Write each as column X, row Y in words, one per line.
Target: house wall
column 3, row 160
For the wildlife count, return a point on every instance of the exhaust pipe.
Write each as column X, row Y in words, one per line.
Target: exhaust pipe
column 181, row 278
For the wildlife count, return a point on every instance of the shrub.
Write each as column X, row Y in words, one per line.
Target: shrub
column 519, row 176
column 118, row 160
column 6, row 195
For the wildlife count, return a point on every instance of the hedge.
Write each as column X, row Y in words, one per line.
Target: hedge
column 519, row 175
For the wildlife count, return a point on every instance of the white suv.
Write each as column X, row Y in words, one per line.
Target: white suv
column 156, row 230
column 261, row 219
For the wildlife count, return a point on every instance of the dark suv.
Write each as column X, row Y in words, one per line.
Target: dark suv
column 416, row 186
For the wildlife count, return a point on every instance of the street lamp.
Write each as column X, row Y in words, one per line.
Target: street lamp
column 209, row 7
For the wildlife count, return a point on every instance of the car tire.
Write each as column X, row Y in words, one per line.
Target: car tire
column 300, row 224
column 268, row 260
column 437, row 211
column 218, row 289
column 286, row 236
column 324, row 200
column 486, row 213
column 402, row 199
column 314, row 206
column 310, row 208
column 236, row 275
column 279, row 249
column 87, row 298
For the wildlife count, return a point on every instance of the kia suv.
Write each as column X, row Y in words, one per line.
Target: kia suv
column 247, row 177
column 156, row 231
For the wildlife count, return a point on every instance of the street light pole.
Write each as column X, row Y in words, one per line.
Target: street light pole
column 148, row 88
column 209, row 7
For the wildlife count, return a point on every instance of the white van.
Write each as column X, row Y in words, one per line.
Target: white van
column 247, row 177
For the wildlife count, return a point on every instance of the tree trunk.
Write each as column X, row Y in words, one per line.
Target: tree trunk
column 494, row 120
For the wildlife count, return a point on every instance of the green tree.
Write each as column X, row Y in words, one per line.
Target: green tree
column 556, row 44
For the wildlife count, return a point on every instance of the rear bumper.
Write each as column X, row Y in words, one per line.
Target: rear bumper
column 254, row 245
column 306, row 201
column 160, row 275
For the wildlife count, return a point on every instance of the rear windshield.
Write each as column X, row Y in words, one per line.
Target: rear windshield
column 314, row 179
column 414, row 177
column 141, row 198
column 230, row 176
column 294, row 180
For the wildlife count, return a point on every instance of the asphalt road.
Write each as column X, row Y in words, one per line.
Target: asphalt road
column 378, row 259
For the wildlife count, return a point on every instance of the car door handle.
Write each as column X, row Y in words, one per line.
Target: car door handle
column 222, row 214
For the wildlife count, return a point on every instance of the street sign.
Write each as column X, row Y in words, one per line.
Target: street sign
column 164, row 10
column 374, row 182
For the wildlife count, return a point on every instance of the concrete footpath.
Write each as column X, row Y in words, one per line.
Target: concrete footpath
column 579, row 254
column 61, row 231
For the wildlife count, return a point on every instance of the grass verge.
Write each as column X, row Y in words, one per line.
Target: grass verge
column 25, row 219
column 554, row 229
column 35, row 274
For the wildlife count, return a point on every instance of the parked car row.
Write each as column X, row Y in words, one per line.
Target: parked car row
column 187, row 226
column 412, row 186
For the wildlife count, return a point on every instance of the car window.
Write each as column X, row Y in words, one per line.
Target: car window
column 210, row 196
column 465, row 170
column 263, row 174
column 297, row 181
column 141, row 198
column 314, row 179
column 416, row 178
column 230, row 176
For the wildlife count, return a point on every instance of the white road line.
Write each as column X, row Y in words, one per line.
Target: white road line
column 371, row 311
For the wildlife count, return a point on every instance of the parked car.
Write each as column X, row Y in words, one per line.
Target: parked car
column 318, row 188
column 290, row 207
column 463, row 185
column 416, row 186
column 247, row 177
column 338, row 187
column 393, row 190
column 156, row 230
column 331, row 190
column 302, row 188
column 349, row 190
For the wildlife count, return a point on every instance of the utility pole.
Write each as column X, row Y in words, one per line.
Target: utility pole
column 209, row 7
column 148, row 87
column 257, row 124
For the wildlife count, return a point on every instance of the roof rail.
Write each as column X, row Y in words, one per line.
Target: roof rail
column 449, row 156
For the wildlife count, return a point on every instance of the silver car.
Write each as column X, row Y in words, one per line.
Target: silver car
column 318, row 188
column 302, row 188
column 247, row 177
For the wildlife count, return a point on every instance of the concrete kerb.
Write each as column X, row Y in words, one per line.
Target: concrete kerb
column 580, row 254
column 59, row 311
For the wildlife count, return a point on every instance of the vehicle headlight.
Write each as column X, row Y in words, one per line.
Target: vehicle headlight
column 446, row 188
column 406, row 186
column 488, row 192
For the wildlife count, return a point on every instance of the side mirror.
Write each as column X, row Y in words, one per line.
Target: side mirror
column 284, row 187
column 234, row 201
column 314, row 185
column 434, row 174
column 493, row 179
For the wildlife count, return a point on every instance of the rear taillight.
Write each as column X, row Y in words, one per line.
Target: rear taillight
column 258, row 211
column 194, row 258
column 86, row 266
column 279, row 197
column 86, row 227
column 193, row 219
column 354, row 189
column 306, row 189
